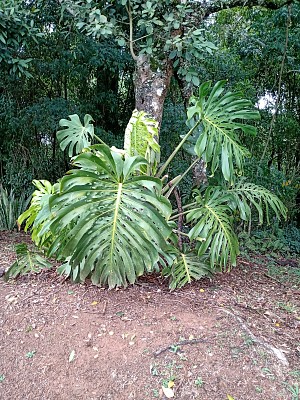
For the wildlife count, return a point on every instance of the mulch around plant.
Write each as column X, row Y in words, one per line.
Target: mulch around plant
column 237, row 334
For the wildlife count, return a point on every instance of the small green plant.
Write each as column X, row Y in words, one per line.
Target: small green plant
column 248, row 341
column 29, row 328
column 291, row 308
column 2, row 377
column 165, row 382
column 174, row 349
column 28, row 261
column 268, row 373
column 258, row 389
column 120, row 314
column 294, row 390
column 30, row 354
column 182, row 357
column 199, row 382
column 154, row 370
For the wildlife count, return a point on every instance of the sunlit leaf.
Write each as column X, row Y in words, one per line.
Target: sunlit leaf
column 141, row 137
column 75, row 136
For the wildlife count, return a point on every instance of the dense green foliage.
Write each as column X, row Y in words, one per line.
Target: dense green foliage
column 11, row 206
column 76, row 59
column 109, row 218
column 69, row 73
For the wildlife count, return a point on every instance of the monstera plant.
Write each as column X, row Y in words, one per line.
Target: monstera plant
column 109, row 219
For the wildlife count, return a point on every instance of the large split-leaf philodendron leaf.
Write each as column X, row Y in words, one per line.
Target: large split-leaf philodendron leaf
column 75, row 135
column 39, row 212
column 245, row 194
column 109, row 222
column 221, row 116
column 212, row 228
column 187, row 268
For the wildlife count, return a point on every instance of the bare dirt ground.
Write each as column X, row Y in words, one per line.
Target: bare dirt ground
column 237, row 335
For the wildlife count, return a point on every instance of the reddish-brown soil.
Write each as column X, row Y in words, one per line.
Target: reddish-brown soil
column 236, row 335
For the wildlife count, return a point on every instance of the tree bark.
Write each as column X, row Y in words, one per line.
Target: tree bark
column 151, row 86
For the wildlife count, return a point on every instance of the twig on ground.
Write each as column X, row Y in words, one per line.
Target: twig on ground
column 182, row 343
column 274, row 279
column 271, row 349
column 180, row 302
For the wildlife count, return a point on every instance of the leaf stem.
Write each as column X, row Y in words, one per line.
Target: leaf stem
column 170, row 159
column 178, row 215
column 187, row 170
column 186, row 206
column 181, row 233
column 99, row 140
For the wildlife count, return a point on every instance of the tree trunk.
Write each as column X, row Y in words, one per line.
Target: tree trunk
column 151, row 86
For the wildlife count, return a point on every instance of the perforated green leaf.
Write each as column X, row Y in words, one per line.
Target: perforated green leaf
column 75, row 136
column 213, row 229
column 186, row 268
column 110, row 222
column 221, row 118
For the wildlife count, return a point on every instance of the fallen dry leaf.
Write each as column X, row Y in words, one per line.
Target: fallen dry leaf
column 72, row 356
column 168, row 392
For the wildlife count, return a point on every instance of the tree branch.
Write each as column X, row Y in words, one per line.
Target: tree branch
column 219, row 6
column 128, row 9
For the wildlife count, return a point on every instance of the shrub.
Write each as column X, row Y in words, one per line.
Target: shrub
column 110, row 218
column 11, row 207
